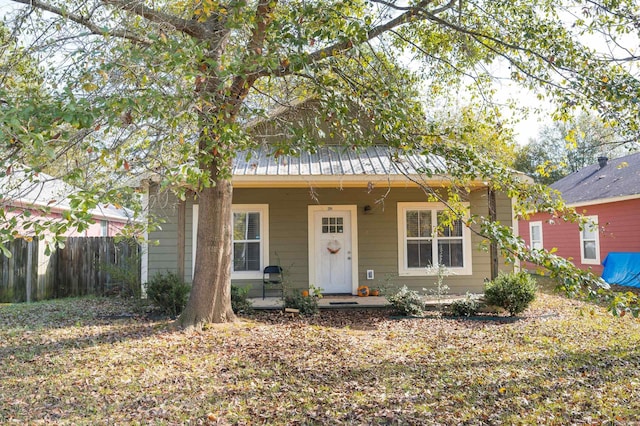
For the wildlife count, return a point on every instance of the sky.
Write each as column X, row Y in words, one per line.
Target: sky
column 527, row 127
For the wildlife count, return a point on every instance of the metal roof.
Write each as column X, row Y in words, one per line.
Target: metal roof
column 618, row 178
column 336, row 160
column 21, row 189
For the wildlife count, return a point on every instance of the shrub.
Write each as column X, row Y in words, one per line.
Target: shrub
column 513, row 292
column 124, row 277
column 407, row 302
column 306, row 301
column 441, row 289
column 307, row 305
column 465, row 307
column 240, row 303
column 169, row 292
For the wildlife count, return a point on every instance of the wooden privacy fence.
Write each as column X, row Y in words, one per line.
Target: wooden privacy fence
column 18, row 271
column 85, row 266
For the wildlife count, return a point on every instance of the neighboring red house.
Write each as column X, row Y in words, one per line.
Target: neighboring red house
column 607, row 193
column 47, row 199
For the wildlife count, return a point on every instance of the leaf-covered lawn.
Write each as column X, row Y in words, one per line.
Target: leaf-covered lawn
column 85, row 361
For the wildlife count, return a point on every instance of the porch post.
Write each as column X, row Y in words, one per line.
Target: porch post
column 182, row 209
column 493, row 216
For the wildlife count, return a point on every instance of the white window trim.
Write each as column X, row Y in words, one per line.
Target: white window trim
column 531, row 242
column 596, row 261
column 403, row 270
column 263, row 209
column 104, row 228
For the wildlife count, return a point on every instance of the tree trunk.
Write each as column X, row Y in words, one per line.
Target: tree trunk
column 210, row 299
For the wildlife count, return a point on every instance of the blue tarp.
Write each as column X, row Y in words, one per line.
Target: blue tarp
column 622, row 268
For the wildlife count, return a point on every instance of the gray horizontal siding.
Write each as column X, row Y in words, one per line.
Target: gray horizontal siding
column 163, row 242
column 288, row 232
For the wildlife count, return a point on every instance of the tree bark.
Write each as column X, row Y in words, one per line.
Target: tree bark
column 210, row 299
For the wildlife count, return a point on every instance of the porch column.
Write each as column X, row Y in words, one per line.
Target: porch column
column 493, row 216
column 182, row 209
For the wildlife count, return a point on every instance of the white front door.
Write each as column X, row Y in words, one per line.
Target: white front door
column 332, row 250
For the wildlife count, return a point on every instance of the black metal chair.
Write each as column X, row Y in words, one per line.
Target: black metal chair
column 272, row 278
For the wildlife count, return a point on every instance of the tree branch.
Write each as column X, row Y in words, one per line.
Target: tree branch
column 188, row 26
column 342, row 46
column 85, row 22
column 392, row 5
column 478, row 36
column 242, row 83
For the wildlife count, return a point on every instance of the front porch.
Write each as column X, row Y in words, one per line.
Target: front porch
column 349, row 302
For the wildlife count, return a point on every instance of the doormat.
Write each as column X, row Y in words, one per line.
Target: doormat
column 343, row 303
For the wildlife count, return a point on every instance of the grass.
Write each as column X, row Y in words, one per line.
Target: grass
column 89, row 361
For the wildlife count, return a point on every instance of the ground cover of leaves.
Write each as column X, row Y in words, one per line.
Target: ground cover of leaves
column 89, row 361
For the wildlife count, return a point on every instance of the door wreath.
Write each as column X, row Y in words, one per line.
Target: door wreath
column 334, row 246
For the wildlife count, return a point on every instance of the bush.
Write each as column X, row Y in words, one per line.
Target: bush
column 169, row 292
column 239, row 300
column 125, row 277
column 307, row 305
column 407, row 302
column 465, row 307
column 513, row 292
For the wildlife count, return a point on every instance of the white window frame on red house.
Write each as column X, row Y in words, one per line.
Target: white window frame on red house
column 592, row 228
column 434, row 208
column 535, row 244
column 263, row 238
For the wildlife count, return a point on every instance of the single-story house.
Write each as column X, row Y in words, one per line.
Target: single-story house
column 608, row 194
column 46, row 198
column 336, row 219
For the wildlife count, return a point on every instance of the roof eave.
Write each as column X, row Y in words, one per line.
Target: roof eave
column 96, row 213
column 603, row 200
column 344, row 181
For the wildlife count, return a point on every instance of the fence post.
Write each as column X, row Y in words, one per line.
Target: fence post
column 29, row 265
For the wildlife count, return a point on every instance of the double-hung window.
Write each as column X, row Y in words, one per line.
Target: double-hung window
column 535, row 235
column 590, row 242
column 429, row 237
column 250, row 239
column 104, row 228
column 246, row 241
